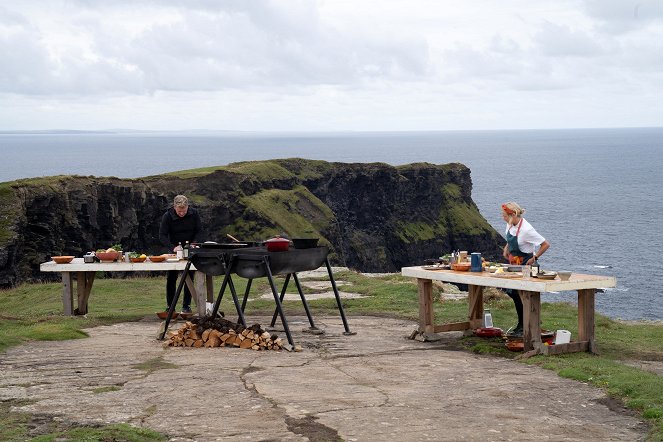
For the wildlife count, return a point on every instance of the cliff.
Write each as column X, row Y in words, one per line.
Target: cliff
column 374, row 217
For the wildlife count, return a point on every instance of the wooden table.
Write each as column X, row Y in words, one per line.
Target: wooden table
column 530, row 292
column 201, row 288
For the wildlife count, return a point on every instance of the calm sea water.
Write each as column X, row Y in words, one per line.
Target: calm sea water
column 595, row 194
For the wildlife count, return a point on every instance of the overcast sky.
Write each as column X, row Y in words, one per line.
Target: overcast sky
column 286, row 65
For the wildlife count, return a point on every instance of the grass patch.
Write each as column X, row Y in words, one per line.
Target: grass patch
column 106, row 389
column 152, row 365
column 19, row 426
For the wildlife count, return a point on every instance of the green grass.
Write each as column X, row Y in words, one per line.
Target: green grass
column 33, row 312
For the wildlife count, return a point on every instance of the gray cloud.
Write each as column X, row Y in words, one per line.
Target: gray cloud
column 212, row 46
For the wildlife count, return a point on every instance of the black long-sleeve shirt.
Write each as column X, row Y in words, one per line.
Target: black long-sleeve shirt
column 174, row 230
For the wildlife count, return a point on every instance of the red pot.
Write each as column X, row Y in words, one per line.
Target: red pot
column 277, row 244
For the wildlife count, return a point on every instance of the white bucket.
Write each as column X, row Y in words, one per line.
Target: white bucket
column 562, row 337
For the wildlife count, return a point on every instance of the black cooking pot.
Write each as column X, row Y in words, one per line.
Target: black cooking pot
column 304, row 243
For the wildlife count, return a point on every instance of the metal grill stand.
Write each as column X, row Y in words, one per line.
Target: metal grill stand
column 254, row 262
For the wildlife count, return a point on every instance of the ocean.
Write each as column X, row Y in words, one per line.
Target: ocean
column 595, row 194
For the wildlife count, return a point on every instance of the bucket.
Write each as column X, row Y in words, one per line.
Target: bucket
column 562, row 337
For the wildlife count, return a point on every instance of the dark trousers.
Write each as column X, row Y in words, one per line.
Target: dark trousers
column 515, row 295
column 171, row 288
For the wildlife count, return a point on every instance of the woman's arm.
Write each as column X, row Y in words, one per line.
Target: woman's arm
column 545, row 245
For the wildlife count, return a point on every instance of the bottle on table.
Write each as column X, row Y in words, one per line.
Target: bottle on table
column 536, row 269
column 185, row 251
column 179, row 252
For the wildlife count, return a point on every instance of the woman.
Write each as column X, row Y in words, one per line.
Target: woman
column 524, row 246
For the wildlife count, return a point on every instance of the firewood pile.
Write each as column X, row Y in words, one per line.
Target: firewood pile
column 219, row 332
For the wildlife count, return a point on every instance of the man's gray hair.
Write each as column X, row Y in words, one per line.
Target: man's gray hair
column 180, row 201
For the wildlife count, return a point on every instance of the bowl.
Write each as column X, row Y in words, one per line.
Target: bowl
column 137, row 259
column 185, row 315
column 305, row 243
column 564, row 275
column 461, row 267
column 488, row 332
column 164, row 315
column 107, row 256
column 157, row 258
column 515, row 345
column 62, row 259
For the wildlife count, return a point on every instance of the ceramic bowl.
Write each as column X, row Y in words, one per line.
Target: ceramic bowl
column 107, row 256
column 461, row 267
column 62, row 259
column 137, row 259
column 157, row 258
column 564, row 276
column 164, row 315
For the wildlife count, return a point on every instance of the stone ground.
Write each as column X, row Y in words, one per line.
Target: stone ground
column 373, row 386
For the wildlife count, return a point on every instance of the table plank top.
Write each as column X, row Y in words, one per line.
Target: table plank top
column 578, row 281
column 78, row 265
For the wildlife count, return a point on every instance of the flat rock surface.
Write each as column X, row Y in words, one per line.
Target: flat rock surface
column 375, row 385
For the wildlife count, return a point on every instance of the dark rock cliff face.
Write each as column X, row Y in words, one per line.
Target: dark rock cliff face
column 374, row 217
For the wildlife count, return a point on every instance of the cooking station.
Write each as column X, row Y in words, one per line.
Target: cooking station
column 83, row 275
column 530, row 292
column 250, row 263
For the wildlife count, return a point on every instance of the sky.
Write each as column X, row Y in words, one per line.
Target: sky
column 330, row 65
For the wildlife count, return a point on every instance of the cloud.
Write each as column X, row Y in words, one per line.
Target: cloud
column 142, row 48
column 429, row 64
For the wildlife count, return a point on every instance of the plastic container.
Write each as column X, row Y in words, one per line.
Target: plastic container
column 487, row 319
column 562, row 337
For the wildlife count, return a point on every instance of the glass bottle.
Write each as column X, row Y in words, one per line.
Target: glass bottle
column 535, row 268
column 185, row 252
column 179, row 250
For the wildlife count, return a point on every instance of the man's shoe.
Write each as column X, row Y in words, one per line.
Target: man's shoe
column 186, row 309
column 515, row 332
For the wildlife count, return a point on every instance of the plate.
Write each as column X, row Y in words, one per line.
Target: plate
column 435, row 267
column 546, row 275
column 173, row 260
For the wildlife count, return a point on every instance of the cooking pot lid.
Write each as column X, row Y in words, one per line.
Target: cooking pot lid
column 277, row 240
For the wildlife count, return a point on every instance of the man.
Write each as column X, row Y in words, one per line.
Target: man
column 179, row 224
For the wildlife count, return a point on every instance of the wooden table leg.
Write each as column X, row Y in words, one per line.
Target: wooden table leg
column 531, row 319
column 84, row 282
column 475, row 305
column 586, row 318
column 199, row 282
column 67, row 293
column 425, row 305
column 209, row 285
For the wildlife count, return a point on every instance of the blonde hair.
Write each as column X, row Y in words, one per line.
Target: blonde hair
column 180, row 201
column 512, row 209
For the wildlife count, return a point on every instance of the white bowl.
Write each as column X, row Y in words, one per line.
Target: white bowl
column 564, row 275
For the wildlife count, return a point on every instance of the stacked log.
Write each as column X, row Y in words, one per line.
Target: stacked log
column 218, row 332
